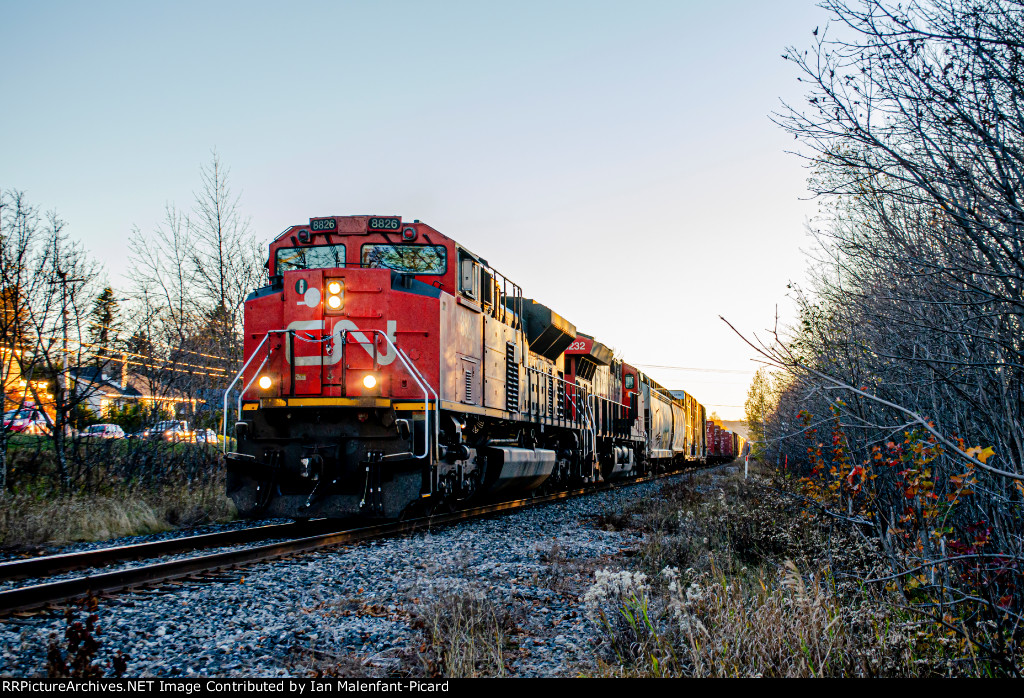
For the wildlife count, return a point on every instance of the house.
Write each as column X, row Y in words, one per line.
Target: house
column 101, row 392
column 18, row 391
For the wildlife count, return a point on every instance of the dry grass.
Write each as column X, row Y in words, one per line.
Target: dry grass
column 735, row 580
column 466, row 635
column 27, row 520
column 109, row 489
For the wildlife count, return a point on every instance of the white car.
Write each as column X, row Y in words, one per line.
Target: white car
column 206, row 436
column 103, row 431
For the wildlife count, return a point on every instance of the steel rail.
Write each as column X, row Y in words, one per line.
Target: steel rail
column 48, row 565
column 63, row 591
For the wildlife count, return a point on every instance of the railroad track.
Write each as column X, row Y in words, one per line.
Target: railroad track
column 49, row 565
column 67, row 590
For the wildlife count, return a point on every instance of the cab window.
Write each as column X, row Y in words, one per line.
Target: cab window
column 469, row 276
column 316, row 257
column 630, row 382
column 409, row 259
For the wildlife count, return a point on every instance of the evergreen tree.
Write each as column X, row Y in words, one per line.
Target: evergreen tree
column 104, row 325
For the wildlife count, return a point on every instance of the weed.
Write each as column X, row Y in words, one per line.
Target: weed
column 76, row 658
column 27, row 520
column 466, row 635
column 613, row 521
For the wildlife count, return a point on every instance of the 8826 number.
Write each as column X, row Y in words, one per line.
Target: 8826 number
column 384, row 224
column 321, row 224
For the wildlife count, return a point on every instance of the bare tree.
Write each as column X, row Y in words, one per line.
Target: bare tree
column 18, row 224
column 228, row 263
column 908, row 358
column 189, row 280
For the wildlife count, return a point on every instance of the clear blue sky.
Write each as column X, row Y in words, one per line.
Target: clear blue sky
column 614, row 158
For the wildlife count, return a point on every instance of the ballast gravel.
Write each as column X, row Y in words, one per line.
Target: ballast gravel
column 352, row 604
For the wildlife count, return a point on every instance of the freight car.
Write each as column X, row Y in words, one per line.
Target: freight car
column 723, row 446
column 388, row 370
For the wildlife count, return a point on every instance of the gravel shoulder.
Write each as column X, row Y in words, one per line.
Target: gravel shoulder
column 358, row 610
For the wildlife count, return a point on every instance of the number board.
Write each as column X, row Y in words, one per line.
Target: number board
column 580, row 346
column 377, row 223
column 318, row 225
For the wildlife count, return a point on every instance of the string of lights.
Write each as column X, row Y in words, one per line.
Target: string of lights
column 150, row 362
column 184, row 351
column 115, row 353
column 698, row 370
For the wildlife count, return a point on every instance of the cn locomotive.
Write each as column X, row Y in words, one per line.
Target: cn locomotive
column 389, row 370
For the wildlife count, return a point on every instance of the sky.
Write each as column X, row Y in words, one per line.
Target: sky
column 615, row 159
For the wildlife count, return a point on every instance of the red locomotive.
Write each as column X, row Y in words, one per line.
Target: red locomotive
column 389, row 369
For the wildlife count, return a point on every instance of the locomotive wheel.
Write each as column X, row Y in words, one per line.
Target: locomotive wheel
column 416, row 510
column 258, row 492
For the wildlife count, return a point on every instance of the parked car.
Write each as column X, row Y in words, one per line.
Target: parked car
column 171, row 430
column 26, row 420
column 206, row 436
column 103, row 431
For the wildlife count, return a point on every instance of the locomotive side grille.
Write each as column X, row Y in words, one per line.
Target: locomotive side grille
column 551, row 396
column 561, row 397
column 511, row 378
column 469, row 385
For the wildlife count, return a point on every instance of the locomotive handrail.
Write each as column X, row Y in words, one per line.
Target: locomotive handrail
column 420, row 379
column 248, row 385
column 563, row 392
column 424, row 385
column 592, row 420
column 227, row 391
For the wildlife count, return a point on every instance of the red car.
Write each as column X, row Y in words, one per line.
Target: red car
column 28, row 421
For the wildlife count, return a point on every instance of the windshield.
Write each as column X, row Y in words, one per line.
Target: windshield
column 415, row 259
column 318, row 257
column 19, row 414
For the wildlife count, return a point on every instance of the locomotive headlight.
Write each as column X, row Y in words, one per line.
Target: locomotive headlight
column 265, row 382
column 369, row 381
column 335, row 294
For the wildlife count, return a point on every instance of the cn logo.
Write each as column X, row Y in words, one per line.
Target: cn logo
column 353, row 336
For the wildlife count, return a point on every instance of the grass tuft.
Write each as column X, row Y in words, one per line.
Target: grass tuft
column 466, row 635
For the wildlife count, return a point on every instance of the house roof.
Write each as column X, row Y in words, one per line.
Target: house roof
column 97, row 381
column 135, row 386
column 142, row 386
